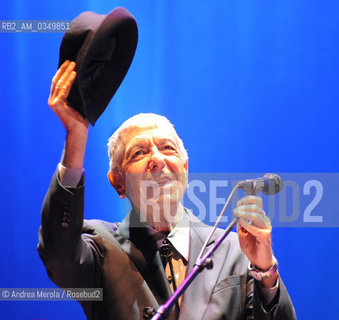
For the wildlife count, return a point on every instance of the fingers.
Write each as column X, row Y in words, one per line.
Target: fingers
column 58, row 74
column 62, row 83
column 251, row 215
column 250, row 200
column 66, row 78
column 68, row 85
column 63, row 80
column 254, row 230
column 254, row 214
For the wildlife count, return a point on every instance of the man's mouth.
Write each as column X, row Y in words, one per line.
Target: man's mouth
column 161, row 181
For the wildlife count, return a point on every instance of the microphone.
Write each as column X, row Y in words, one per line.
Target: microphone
column 269, row 184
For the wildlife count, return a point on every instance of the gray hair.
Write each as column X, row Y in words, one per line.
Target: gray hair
column 115, row 144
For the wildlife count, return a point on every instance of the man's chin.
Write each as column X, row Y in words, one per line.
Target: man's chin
column 165, row 201
column 159, row 210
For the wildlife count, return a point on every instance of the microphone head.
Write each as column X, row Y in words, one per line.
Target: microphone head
column 272, row 183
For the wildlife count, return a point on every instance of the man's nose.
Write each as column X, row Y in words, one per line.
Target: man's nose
column 157, row 161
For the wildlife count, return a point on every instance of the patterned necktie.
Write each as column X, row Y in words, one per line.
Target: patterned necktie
column 174, row 265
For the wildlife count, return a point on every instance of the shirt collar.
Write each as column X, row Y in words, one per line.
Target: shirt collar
column 180, row 235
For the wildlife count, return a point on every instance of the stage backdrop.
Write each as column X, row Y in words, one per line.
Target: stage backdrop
column 250, row 86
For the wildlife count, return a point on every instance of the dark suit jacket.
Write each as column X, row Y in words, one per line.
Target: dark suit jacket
column 125, row 262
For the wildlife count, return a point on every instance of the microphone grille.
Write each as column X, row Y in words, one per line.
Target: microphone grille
column 272, row 183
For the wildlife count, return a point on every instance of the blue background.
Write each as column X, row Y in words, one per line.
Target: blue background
column 251, row 86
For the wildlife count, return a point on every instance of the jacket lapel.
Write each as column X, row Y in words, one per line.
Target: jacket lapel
column 139, row 245
column 198, row 294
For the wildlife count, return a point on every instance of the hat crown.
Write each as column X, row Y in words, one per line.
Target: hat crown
column 103, row 48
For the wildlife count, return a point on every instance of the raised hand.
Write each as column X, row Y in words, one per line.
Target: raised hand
column 76, row 126
column 60, row 88
column 254, row 231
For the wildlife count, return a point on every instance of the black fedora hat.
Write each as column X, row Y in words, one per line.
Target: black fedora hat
column 103, row 47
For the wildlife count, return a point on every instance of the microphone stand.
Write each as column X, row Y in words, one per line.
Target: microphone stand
column 201, row 263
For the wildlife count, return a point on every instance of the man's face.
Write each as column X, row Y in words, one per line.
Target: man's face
column 153, row 168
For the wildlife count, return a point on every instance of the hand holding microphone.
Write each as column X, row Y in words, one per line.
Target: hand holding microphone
column 254, row 227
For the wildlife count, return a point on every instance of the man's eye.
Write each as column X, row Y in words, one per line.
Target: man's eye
column 137, row 153
column 168, row 147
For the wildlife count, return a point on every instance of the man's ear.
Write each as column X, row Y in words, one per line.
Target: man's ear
column 186, row 165
column 118, row 183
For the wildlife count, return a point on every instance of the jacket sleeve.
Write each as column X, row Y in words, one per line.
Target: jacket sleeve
column 72, row 258
column 281, row 308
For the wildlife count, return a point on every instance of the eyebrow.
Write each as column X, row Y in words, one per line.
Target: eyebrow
column 165, row 140
column 141, row 144
column 138, row 145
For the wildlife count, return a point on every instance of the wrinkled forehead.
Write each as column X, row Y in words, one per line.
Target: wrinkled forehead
column 150, row 132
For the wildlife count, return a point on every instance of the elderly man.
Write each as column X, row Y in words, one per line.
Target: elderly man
column 140, row 261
